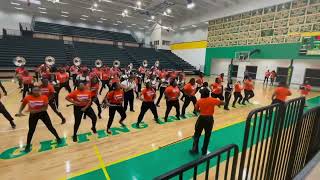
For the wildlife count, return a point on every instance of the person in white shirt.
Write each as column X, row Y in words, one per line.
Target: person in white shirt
column 163, row 85
column 128, row 86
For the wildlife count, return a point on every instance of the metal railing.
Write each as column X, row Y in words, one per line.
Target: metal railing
column 229, row 170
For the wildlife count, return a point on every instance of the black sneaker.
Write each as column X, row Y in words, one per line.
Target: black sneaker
column 59, row 141
column 234, row 106
column 226, row 109
column 13, row 125
column 108, row 131
column 94, row 130
column 138, row 125
column 74, row 138
column 121, row 122
column 27, row 148
column 178, row 118
column 183, row 116
column 191, row 151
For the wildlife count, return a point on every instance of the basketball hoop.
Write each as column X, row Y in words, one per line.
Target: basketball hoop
column 242, row 56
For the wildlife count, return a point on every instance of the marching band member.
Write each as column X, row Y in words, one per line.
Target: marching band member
column 74, row 71
column 38, row 105
column 281, row 93
column 128, row 86
column 114, row 100
column 46, row 73
column 81, row 100
column 200, row 81
column 204, row 89
column 190, row 92
column 47, row 90
column 19, row 73
column 94, row 86
column 172, row 94
column 105, row 78
column 237, row 94
column 163, row 85
column 266, row 76
column 142, row 71
column 147, row 97
column 83, row 77
column 27, row 82
column 273, row 76
column 248, row 90
column 138, row 81
column 6, row 114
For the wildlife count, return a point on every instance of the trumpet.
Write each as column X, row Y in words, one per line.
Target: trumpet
column 77, row 61
column 98, row 63
column 49, row 60
column 19, row 61
column 145, row 63
column 156, row 64
column 116, row 63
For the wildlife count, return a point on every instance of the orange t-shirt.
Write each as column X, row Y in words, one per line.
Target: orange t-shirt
column 20, row 70
column 105, row 75
column 47, row 91
column 115, row 96
column 62, row 77
column 189, row 89
column 35, row 103
column 148, row 94
column 206, row 105
column 306, row 89
column 216, row 88
column 200, row 81
column 172, row 93
column 27, row 79
column 237, row 87
column 248, row 85
column 82, row 97
column 282, row 93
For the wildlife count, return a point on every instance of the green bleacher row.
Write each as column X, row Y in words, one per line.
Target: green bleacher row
column 35, row 50
column 49, row 28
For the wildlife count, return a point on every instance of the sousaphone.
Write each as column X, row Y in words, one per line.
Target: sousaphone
column 77, row 61
column 49, row 60
column 145, row 63
column 98, row 63
column 116, row 63
column 130, row 66
column 19, row 61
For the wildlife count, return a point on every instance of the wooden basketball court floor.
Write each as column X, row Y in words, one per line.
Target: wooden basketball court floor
column 129, row 153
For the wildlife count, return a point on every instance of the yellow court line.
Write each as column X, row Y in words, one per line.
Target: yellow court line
column 102, row 164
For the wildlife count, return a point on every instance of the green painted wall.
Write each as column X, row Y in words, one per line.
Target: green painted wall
column 268, row 51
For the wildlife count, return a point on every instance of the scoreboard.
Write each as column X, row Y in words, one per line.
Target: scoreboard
column 310, row 46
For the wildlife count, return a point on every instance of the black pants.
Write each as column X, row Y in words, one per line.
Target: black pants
column 171, row 104
column 5, row 113
column 219, row 96
column 33, row 121
column 54, row 108
column 248, row 94
column 103, row 85
column 74, row 80
column 271, row 81
column 26, row 88
column 275, row 101
column 203, row 123
column 78, row 116
column 128, row 99
column 64, row 85
column 142, row 77
column 37, row 76
column 112, row 112
column 162, row 89
column 237, row 97
column 227, row 96
column 138, row 90
column 186, row 103
column 266, row 79
column 144, row 108
column 96, row 101
column 3, row 89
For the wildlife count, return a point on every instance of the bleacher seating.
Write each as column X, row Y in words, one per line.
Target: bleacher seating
column 89, row 53
column 33, row 50
column 180, row 63
column 50, row 28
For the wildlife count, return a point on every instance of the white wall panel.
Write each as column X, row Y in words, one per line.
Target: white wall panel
column 195, row 57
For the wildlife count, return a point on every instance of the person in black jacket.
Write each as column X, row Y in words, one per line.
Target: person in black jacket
column 227, row 94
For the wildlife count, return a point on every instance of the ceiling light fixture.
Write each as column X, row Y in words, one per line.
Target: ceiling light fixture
column 165, row 14
column 133, row 24
column 18, row 8
column 152, row 17
column 194, row 26
column 190, row 4
column 83, row 19
column 115, row 24
column 100, row 21
column 16, row 4
column 119, row 22
column 169, row 11
column 95, row 5
column 139, row 3
column 64, row 15
column 42, row 8
column 129, row 26
column 64, row 12
column 43, row 12
column 84, row 16
column 38, row 2
column 103, row 19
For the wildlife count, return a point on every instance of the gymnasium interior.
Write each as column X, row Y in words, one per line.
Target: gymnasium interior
column 232, row 39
